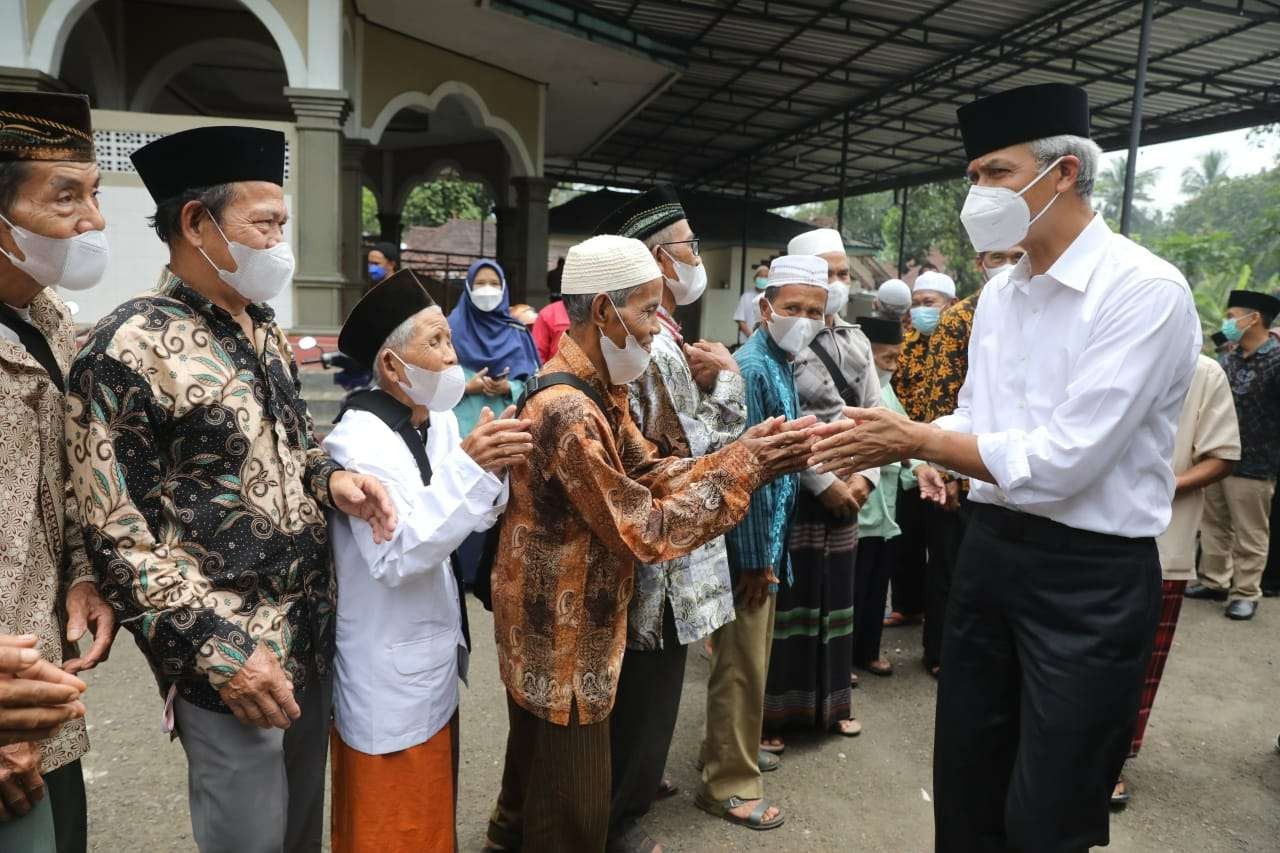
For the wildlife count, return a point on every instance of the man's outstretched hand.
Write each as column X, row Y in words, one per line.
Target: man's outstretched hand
column 781, row 446
column 364, row 497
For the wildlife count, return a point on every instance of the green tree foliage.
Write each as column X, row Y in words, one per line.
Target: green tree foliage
column 1211, row 169
column 1108, row 191
column 1249, row 207
column 441, row 200
column 369, row 213
column 933, row 222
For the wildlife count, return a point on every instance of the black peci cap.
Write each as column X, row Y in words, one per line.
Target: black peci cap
column 1263, row 303
column 388, row 304
column 209, row 156
column 1023, row 114
column 881, row 331
column 644, row 215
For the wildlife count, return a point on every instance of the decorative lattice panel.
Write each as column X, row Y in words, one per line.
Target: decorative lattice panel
column 115, row 146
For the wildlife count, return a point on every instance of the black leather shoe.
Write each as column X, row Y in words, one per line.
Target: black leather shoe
column 1270, row 591
column 1241, row 609
column 1200, row 591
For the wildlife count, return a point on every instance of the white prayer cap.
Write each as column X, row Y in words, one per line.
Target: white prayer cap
column 607, row 263
column 941, row 282
column 894, row 294
column 798, row 269
column 816, row 242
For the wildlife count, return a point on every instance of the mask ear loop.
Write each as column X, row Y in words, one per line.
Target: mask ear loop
column 200, row 249
column 1036, row 180
column 13, row 229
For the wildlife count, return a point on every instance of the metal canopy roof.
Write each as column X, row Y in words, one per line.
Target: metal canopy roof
column 773, row 96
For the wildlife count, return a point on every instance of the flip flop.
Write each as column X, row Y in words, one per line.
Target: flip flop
column 770, row 748
column 1121, row 799
column 754, row 821
column 851, row 731
column 880, row 667
column 666, row 790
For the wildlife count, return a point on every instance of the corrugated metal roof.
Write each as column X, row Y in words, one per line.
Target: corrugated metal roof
column 769, row 86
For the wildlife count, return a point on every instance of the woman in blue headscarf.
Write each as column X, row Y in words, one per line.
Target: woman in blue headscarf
column 496, row 351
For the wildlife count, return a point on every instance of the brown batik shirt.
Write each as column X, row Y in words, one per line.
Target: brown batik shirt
column 593, row 500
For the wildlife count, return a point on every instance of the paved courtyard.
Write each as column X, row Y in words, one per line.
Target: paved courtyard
column 1208, row 778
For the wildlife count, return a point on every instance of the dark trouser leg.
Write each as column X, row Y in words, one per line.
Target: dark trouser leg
column 506, row 825
column 306, row 754
column 976, row 726
column 1084, row 622
column 65, row 789
column 642, row 724
column 908, row 574
column 945, row 532
column 870, row 588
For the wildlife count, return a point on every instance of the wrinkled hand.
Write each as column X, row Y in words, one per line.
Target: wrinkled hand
column 496, row 445
column 781, row 447
column 364, row 497
column 838, row 500
column 707, row 359
column 933, row 487
column 953, row 496
column 476, row 384
column 859, row 489
column 261, row 693
column 20, row 784
column 865, row 438
column 36, row 697
column 86, row 609
column 753, row 588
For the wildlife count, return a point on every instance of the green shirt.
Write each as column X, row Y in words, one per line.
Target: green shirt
column 878, row 516
column 468, row 411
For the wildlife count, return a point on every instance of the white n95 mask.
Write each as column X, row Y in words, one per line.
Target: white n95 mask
column 260, row 274
column 72, row 263
column 998, row 217
column 793, row 334
column 438, row 390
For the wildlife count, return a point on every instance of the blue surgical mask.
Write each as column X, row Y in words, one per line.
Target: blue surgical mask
column 376, row 273
column 1231, row 329
column 925, row 320
column 762, row 283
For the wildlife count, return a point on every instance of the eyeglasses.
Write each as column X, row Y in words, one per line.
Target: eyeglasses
column 692, row 244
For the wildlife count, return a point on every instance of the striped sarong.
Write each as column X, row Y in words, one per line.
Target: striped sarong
column 808, row 683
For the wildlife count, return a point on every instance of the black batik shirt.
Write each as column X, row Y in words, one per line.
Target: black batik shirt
column 1255, row 384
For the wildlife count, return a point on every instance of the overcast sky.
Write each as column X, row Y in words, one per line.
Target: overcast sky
column 1243, row 158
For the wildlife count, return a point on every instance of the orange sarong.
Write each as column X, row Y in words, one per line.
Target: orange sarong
column 401, row 802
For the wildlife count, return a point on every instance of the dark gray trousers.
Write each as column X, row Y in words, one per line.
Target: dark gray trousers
column 257, row 790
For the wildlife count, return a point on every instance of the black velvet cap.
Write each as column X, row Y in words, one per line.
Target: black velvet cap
column 881, row 331
column 1254, row 301
column 45, row 126
column 388, row 304
column 208, row 156
column 1023, row 114
column 644, row 215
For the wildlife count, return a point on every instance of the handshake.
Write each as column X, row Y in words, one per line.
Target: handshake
column 781, row 446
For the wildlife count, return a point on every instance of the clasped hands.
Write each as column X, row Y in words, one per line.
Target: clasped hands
column 870, row 438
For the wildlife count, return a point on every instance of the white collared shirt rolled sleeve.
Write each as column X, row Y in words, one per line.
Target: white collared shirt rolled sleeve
column 1119, row 375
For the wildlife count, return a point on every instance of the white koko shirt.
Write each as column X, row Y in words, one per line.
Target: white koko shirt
column 400, row 647
column 1076, row 381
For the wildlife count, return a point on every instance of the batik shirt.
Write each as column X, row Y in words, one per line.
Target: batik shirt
column 911, row 380
column 202, row 490
column 759, row 542
column 947, row 359
column 594, row 499
column 41, row 547
column 674, row 413
column 1255, row 384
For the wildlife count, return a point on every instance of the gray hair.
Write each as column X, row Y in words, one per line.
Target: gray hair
column 666, row 235
column 1085, row 150
column 12, row 175
column 401, row 336
column 578, row 305
column 167, row 220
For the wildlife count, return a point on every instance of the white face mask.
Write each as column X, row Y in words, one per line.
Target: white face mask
column 886, row 376
column 794, row 334
column 837, row 297
column 625, row 363
column 486, row 298
column 691, row 282
column 992, row 272
column 72, row 263
column 260, row 274
column 438, row 390
column 997, row 217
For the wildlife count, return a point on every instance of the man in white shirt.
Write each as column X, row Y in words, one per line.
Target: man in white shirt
column 747, row 314
column 1079, row 362
column 402, row 632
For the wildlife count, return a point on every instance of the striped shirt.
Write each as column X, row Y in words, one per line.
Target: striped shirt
column 759, row 541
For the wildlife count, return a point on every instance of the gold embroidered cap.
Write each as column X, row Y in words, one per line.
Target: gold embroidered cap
column 45, row 126
column 644, row 215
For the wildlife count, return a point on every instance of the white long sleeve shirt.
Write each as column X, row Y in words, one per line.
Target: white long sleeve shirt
column 400, row 650
column 1076, row 382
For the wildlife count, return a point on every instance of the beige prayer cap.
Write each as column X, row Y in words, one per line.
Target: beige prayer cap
column 820, row 241
column 607, row 263
column 798, row 269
